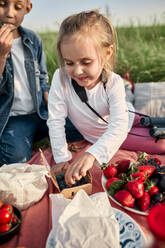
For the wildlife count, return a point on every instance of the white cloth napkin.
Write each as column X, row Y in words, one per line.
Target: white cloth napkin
column 22, row 184
column 84, row 222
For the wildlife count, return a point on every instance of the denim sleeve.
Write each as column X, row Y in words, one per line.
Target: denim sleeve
column 2, row 80
column 43, row 69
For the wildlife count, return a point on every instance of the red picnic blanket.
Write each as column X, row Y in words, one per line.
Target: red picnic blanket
column 36, row 220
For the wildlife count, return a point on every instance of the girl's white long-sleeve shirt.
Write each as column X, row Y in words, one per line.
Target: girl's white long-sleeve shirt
column 110, row 103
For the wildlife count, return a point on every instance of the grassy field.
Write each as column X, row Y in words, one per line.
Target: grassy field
column 141, row 52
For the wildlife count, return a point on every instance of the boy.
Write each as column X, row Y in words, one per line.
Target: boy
column 23, row 84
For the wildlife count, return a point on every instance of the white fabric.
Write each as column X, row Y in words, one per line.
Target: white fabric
column 106, row 139
column 22, row 184
column 22, row 103
column 149, row 98
column 83, row 222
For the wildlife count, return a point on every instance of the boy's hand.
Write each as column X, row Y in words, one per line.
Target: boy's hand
column 76, row 170
column 6, row 38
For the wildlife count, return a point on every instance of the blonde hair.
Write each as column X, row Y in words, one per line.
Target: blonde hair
column 99, row 28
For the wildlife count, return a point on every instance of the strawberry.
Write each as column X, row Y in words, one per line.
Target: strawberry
column 1, row 203
column 147, row 169
column 144, row 202
column 150, row 187
column 139, row 175
column 110, row 181
column 109, row 171
column 153, row 190
column 125, row 198
column 122, row 165
column 136, row 188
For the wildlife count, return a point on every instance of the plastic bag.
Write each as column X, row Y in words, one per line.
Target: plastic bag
column 22, row 184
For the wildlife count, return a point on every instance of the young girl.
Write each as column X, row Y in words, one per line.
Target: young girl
column 86, row 48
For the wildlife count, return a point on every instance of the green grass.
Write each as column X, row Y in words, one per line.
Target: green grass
column 140, row 52
column 49, row 46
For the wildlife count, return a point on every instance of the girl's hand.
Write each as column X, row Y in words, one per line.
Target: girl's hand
column 77, row 169
column 60, row 167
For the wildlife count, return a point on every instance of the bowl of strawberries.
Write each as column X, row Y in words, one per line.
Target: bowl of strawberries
column 10, row 220
column 137, row 185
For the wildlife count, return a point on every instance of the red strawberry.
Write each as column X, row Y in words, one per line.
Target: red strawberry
column 139, row 175
column 147, row 169
column 153, row 190
column 110, row 180
column 144, row 202
column 136, row 187
column 122, row 165
column 109, row 170
column 125, row 198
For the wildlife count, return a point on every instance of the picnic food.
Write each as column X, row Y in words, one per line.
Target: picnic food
column 136, row 188
column 144, row 202
column 125, row 198
column 111, row 180
column 62, row 184
column 7, row 217
column 123, row 165
column 109, row 170
column 138, row 184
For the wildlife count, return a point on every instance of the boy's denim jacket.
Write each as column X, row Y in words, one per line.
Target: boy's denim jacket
column 35, row 67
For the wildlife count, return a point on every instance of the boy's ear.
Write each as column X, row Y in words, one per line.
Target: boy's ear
column 29, row 6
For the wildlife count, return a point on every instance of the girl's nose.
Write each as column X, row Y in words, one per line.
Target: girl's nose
column 78, row 70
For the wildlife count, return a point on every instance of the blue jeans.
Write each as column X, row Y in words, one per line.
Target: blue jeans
column 20, row 133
